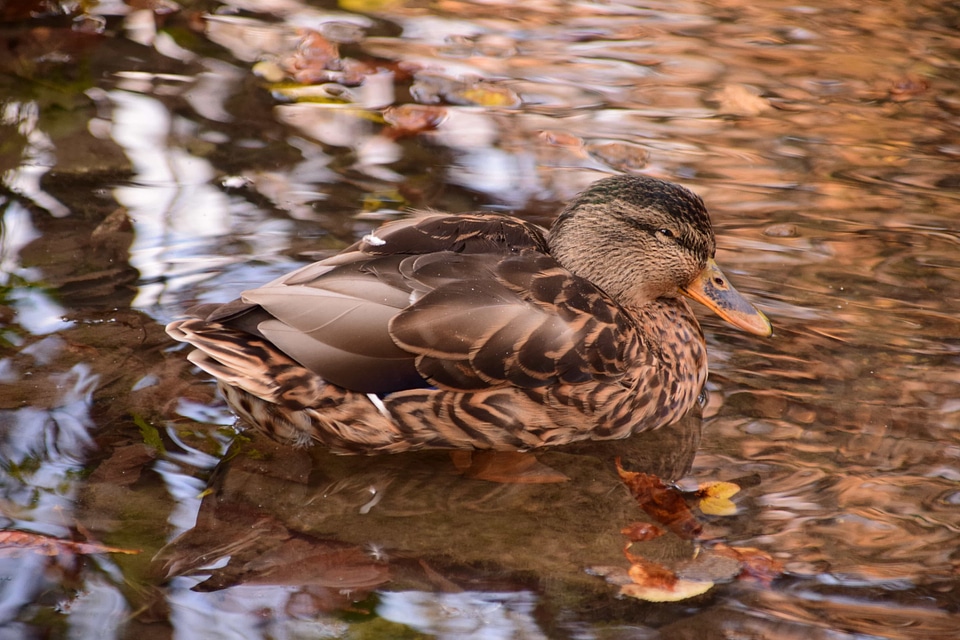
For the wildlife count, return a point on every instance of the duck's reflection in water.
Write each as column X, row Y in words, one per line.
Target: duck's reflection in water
column 330, row 529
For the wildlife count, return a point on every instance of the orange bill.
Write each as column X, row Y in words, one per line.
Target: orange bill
column 712, row 289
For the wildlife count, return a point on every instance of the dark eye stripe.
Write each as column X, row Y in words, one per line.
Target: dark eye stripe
column 684, row 240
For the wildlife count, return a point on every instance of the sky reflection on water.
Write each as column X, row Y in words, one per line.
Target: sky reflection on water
column 151, row 161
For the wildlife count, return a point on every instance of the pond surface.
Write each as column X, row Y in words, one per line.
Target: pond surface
column 154, row 155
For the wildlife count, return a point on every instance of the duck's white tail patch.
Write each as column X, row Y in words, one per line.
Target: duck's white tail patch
column 378, row 403
column 372, row 239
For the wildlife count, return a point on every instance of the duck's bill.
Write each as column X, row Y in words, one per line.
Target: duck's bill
column 712, row 289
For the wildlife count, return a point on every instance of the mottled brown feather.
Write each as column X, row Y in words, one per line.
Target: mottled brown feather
column 475, row 331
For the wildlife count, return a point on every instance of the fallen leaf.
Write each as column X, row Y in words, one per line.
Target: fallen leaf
column 904, row 88
column 715, row 498
column 664, row 504
column 125, row 465
column 625, row 156
column 650, row 574
column 757, row 565
column 14, row 542
column 741, row 100
column 681, row 590
column 508, row 467
column 410, row 119
column 561, row 139
column 485, row 95
column 315, row 57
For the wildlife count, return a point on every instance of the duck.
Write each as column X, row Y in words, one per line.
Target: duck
column 481, row 331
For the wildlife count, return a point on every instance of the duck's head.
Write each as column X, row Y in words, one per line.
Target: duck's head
column 639, row 239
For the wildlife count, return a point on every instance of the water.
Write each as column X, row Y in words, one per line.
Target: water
column 148, row 163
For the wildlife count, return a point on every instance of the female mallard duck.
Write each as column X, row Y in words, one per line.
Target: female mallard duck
column 482, row 331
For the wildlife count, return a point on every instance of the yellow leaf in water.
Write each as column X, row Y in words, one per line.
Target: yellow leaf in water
column 365, row 6
column 715, row 498
column 681, row 590
column 719, row 489
column 487, row 96
column 717, row 507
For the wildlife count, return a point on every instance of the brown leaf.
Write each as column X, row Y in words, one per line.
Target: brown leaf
column 625, row 156
column 661, row 502
column 561, row 139
column 410, row 119
column 757, row 565
column 313, row 60
column 741, row 100
column 654, row 582
column 13, row 542
column 650, row 574
column 124, row 466
column 907, row 87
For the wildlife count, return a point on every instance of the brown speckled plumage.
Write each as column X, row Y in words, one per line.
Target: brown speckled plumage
column 481, row 331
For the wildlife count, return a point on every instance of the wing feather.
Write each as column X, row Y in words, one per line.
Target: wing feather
column 529, row 325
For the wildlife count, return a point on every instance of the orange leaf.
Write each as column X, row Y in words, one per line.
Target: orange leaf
column 682, row 590
column 661, row 502
column 651, row 574
column 509, row 467
column 409, row 119
column 757, row 565
column 655, row 583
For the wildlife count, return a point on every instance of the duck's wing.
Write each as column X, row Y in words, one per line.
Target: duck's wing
column 520, row 320
column 332, row 316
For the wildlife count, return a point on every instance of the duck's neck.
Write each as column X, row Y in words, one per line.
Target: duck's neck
column 673, row 331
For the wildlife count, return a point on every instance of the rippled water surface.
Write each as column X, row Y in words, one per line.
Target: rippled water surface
column 158, row 154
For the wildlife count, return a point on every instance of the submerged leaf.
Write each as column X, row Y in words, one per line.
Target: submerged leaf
column 485, row 95
column 508, row 467
column 757, row 565
column 12, row 542
column 681, row 590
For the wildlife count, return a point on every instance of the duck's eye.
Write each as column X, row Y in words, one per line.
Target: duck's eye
column 666, row 233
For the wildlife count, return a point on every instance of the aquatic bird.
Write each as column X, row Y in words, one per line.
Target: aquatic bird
column 482, row 331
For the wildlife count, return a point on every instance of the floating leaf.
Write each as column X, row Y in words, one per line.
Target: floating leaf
column 681, row 590
column 314, row 60
column 757, row 565
column 715, row 498
column 663, row 503
column 485, row 95
column 650, row 574
column 625, row 156
column 741, row 100
column 410, row 119
column 561, row 139
column 654, row 582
